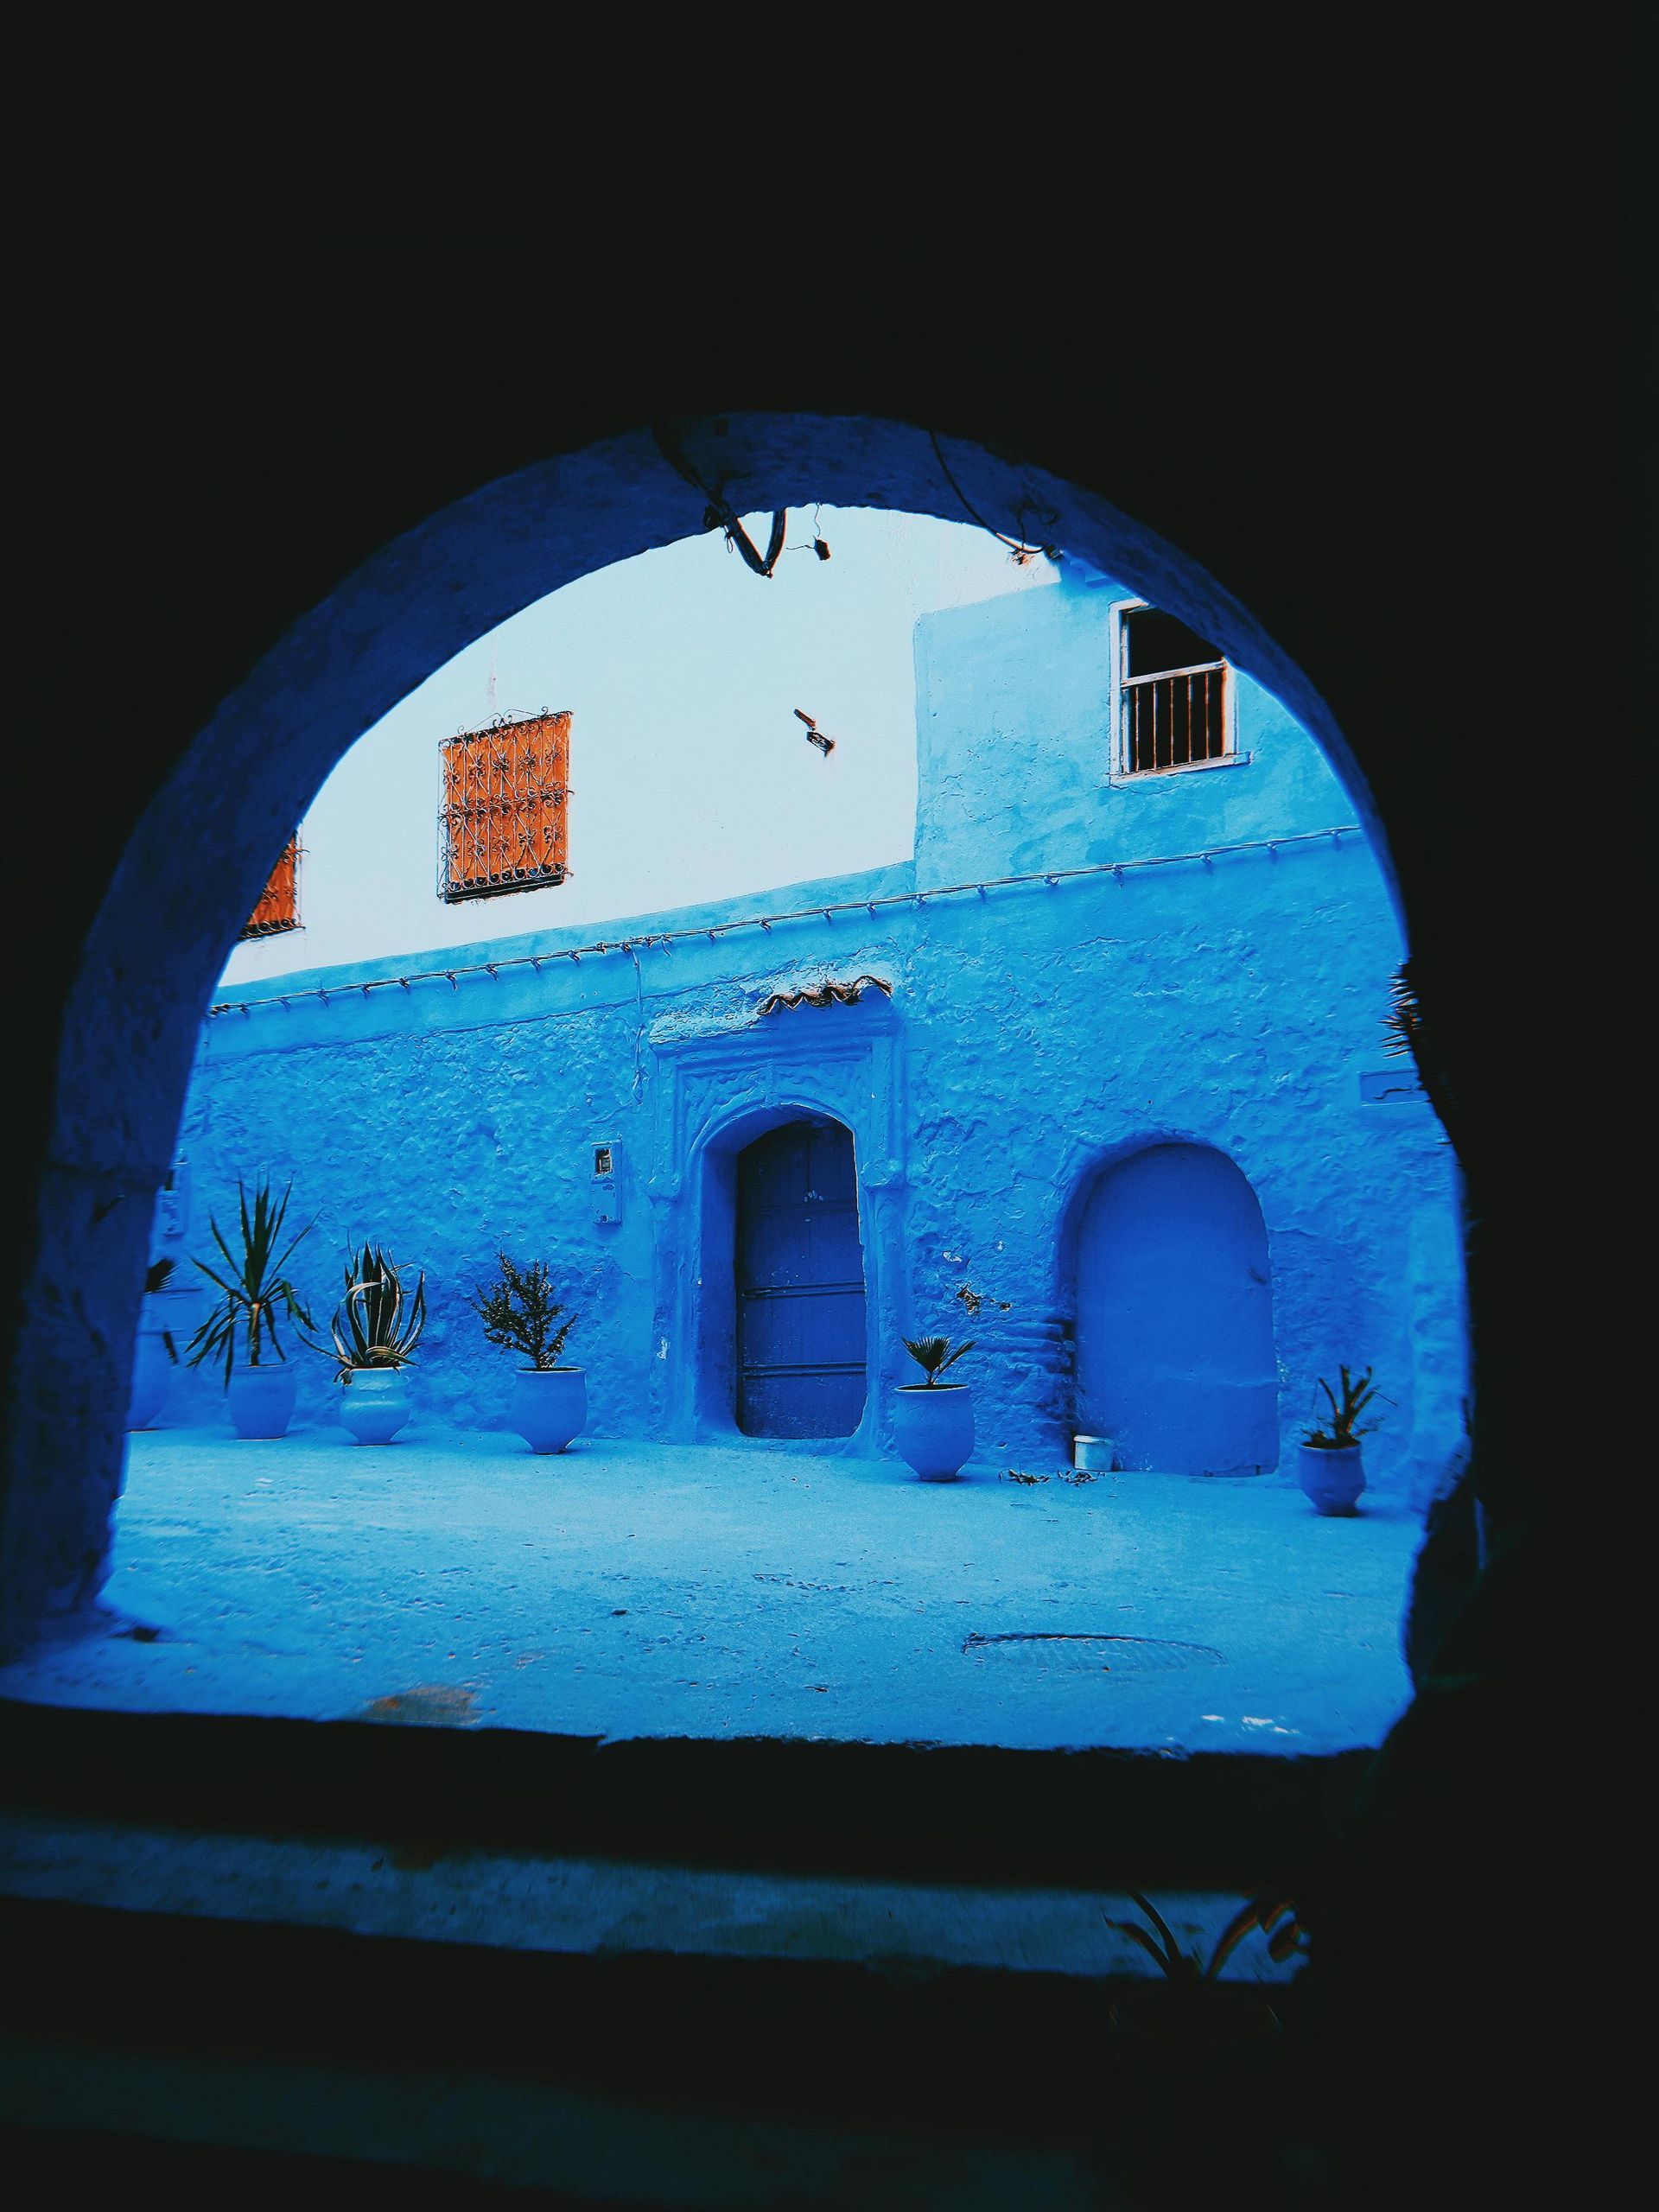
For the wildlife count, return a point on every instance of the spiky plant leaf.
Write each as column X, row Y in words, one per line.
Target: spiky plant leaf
column 1140, row 1935
column 933, row 1354
column 255, row 1286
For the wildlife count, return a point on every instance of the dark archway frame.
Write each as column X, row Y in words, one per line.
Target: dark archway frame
column 204, row 846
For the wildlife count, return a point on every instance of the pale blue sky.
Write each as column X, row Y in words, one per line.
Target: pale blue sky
column 691, row 778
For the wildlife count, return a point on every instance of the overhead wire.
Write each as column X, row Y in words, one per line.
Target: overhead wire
column 664, row 939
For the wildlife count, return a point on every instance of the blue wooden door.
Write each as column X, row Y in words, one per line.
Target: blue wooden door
column 800, row 1284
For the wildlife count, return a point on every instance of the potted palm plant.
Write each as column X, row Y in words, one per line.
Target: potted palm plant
column 375, row 1331
column 1331, row 1469
column 933, row 1421
column 253, row 1290
column 520, row 1314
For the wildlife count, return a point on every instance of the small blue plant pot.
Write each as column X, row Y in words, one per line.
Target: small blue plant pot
column 549, row 1406
column 374, row 1404
column 934, row 1428
column 1333, row 1481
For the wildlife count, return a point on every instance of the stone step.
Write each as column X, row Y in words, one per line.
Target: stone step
column 623, row 2033
column 1093, row 1819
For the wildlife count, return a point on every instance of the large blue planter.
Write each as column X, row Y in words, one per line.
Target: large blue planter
column 261, row 1401
column 934, row 1428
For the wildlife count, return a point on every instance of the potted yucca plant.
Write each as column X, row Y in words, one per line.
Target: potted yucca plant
column 375, row 1331
column 254, row 1290
column 933, row 1421
column 1331, row 1469
column 521, row 1314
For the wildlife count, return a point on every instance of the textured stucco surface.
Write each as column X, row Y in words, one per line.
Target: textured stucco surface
column 1036, row 1034
column 652, row 1590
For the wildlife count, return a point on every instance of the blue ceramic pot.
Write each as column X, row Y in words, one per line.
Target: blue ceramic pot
column 151, row 1373
column 934, row 1428
column 549, row 1406
column 374, row 1404
column 261, row 1401
column 1332, row 1480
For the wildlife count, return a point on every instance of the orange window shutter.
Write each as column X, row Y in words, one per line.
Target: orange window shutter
column 505, row 820
column 279, row 903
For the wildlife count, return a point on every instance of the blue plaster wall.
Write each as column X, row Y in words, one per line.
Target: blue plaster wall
column 1036, row 1035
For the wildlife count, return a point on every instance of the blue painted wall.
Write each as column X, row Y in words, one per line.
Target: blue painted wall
column 1036, row 1035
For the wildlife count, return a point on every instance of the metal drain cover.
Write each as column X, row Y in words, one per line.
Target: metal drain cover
column 1093, row 1655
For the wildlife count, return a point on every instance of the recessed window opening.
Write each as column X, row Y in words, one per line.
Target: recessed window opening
column 736, row 1128
column 1174, row 695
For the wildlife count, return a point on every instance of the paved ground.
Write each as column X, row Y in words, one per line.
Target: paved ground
column 641, row 1590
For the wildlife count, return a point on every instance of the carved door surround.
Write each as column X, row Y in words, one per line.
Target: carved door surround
column 714, row 1095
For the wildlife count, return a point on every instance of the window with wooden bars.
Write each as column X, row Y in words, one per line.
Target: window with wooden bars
column 1174, row 693
column 279, row 902
column 505, row 823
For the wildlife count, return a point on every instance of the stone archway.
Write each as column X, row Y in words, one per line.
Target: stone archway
column 149, row 962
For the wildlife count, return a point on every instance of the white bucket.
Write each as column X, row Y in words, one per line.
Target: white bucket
column 1094, row 1455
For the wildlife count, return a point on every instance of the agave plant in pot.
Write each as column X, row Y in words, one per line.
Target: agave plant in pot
column 375, row 1331
column 253, row 1290
column 933, row 1421
column 520, row 1314
column 1331, row 1469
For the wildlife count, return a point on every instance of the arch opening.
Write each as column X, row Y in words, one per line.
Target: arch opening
column 718, row 1107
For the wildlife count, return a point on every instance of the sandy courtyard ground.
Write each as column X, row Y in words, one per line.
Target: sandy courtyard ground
column 647, row 1590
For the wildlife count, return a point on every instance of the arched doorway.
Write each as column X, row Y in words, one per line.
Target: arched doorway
column 799, row 1284
column 1174, row 1315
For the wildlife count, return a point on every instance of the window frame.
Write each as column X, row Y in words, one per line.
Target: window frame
column 1118, row 771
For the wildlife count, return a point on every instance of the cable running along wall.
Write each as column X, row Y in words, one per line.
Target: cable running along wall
column 632, row 944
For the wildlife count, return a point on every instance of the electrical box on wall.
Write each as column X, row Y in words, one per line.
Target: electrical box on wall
column 607, row 1160
column 172, row 1202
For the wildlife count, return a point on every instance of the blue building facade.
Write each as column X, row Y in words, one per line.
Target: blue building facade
column 1098, row 1079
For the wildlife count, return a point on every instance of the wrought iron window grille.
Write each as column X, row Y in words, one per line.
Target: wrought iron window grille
column 1174, row 692
column 279, row 906
column 504, row 825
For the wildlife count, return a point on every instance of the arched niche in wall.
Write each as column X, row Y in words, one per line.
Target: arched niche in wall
column 149, row 963
column 1174, row 1315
